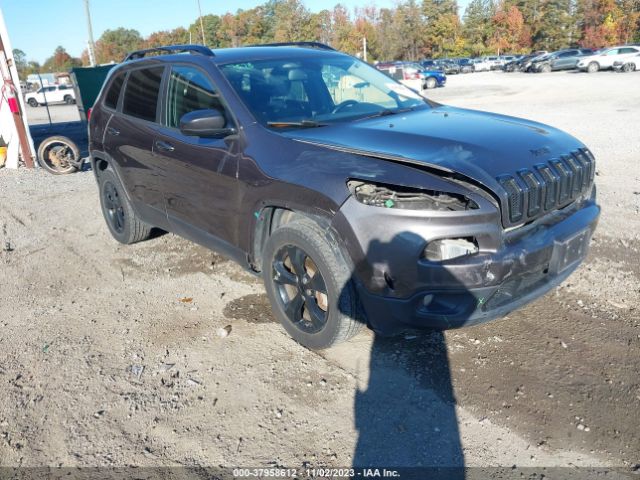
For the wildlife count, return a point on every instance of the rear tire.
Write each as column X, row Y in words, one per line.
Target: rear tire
column 628, row 67
column 546, row 69
column 431, row 83
column 593, row 67
column 123, row 223
column 33, row 102
column 309, row 284
column 69, row 100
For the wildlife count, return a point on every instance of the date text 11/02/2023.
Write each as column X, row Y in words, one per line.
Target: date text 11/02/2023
column 241, row 473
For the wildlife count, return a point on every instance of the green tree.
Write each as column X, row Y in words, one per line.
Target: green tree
column 556, row 27
column 442, row 28
column 113, row 45
column 210, row 24
column 478, row 26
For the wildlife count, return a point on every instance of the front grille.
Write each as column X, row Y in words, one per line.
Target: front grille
column 547, row 186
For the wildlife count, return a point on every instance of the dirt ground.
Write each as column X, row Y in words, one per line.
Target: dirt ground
column 112, row 355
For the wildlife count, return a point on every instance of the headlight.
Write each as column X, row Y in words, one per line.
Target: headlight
column 408, row 198
column 449, row 248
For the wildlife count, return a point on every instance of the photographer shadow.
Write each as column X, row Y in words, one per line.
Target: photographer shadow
column 406, row 416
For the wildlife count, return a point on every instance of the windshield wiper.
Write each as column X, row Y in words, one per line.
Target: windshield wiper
column 300, row 124
column 386, row 111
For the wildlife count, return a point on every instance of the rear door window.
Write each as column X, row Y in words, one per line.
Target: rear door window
column 111, row 100
column 189, row 89
column 141, row 93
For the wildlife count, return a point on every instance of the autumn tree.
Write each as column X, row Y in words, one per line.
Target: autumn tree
column 113, row 45
column 60, row 61
column 176, row 36
column 509, row 32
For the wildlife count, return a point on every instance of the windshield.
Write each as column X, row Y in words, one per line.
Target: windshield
column 313, row 91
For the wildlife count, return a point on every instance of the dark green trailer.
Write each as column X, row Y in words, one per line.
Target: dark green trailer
column 87, row 82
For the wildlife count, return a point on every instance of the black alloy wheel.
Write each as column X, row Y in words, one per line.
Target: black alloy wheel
column 113, row 207
column 301, row 289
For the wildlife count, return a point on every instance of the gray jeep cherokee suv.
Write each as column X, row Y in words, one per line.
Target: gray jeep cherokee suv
column 359, row 201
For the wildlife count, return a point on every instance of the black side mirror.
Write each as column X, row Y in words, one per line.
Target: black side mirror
column 205, row 123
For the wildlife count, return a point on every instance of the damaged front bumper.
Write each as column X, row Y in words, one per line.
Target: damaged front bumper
column 399, row 287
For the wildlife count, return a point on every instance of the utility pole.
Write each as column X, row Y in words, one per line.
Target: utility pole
column 92, row 47
column 201, row 24
column 364, row 48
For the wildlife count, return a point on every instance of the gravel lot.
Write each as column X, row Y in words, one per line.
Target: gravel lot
column 58, row 112
column 110, row 355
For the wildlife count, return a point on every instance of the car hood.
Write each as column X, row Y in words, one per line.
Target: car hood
column 478, row 145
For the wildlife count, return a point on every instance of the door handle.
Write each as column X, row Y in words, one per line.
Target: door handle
column 113, row 131
column 164, row 146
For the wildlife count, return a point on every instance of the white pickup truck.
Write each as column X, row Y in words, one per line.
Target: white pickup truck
column 51, row 94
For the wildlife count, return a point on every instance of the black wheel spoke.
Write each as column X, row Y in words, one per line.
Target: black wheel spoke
column 282, row 275
column 296, row 257
column 316, row 314
column 317, row 283
column 293, row 308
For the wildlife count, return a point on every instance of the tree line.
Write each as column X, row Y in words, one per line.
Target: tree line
column 411, row 30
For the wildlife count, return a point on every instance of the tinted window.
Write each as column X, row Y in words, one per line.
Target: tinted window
column 141, row 93
column 628, row 50
column 189, row 90
column 111, row 100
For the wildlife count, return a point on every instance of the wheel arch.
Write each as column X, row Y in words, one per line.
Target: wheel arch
column 274, row 215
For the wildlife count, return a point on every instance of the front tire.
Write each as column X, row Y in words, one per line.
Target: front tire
column 431, row 83
column 123, row 223
column 309, row 284
column 69, row 100
column 33, row 102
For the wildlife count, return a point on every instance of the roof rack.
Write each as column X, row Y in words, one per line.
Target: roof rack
column 197, row 49
column 318, row 45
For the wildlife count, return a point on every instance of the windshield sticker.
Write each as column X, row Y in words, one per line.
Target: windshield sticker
column 402, row 90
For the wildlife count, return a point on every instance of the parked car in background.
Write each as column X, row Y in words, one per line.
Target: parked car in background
column 504, row 59
column 524, row 64
column 448, row 66
column 466, row 65
column 413, row 75
column 561, row 60
column 493, row 61
column 481, row 65
column 441, row 65
column 605, row 58
column 51, row 94
column 631, row 64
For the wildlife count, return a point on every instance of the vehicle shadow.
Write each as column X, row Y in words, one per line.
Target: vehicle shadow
column 406, row 417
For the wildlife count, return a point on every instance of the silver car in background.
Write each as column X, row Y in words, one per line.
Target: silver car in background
column 605, row 58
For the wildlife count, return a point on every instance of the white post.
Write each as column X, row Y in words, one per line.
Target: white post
column 364, row 48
